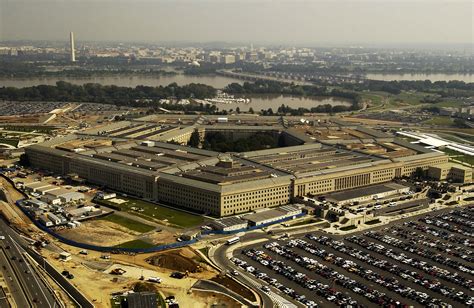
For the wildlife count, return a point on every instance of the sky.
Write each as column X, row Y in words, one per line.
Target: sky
column 310, row 22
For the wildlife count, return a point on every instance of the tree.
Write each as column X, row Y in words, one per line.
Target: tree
column 419, row 173
column 237, row 109
column 251, row 110
column 24, row 161
column 195, row 139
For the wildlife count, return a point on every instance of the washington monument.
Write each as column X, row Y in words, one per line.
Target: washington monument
column 71, row 39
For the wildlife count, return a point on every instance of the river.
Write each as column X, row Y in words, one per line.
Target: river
column 432, row 77
column 259, row 102
column 218, row 82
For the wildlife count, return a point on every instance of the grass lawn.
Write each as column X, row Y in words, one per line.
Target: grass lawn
column 135, row 244
column 205, row 251
column 448, row 104
column 407, row 98
column 13, row 142
column 129, row 223
column 157, row 212
column 459, row 156
column 440, row 120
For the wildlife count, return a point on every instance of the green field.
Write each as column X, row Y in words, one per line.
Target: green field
column 440, row 120
column 157, row 212
column 205, row 251
column 459, row 156
column 135, row 244
column 13, row 142
column 448, row 104
column 129, row 223
column 384, row 100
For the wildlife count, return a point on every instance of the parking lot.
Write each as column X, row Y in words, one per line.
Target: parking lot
column 425, row 261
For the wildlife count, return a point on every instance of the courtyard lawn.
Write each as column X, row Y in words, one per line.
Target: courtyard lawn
column 157, row 212
column 129, row 223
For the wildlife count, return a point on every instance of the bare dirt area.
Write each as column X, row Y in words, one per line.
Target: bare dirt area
column 93, row 278
column 96, row 285
column 235, row 286
column 8, row 196
column 99, row 232
column 202, row 299
column 175, row 262
column 162, row 237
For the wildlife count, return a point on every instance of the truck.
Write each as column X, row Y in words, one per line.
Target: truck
column 233, row 240
column 154, row 279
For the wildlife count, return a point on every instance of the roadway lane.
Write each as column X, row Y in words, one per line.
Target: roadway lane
column 34, row 287
column 73, row 292
column 11, row 280
column 221, row 258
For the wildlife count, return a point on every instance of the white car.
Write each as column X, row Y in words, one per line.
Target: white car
column 2, row 237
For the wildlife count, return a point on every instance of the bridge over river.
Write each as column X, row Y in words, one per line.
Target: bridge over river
column 298, row 79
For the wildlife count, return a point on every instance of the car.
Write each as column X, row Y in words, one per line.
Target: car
column 2, row 237
column 14, row 258
column 265, row 289
column 235, row 273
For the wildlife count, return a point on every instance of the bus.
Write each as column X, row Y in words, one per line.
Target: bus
column 233, row 240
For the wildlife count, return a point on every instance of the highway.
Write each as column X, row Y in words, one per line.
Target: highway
column 12, row 282
column 32, row 287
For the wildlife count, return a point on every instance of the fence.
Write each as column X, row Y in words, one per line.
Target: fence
column 142, row 250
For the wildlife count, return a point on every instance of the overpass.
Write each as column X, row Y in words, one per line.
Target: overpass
column 296, row 78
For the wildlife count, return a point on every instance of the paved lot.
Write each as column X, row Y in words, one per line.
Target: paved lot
column 421, row 261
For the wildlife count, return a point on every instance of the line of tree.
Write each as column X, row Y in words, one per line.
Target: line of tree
column 451, row 88
column 108, row 94
column 217, row 141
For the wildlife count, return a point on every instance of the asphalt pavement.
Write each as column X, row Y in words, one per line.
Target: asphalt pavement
column 220, row 257
column 12, row 282
column 20, row 246
column 31, row 284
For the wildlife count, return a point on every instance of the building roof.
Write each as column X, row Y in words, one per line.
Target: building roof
column 229, row 222
column 364, row 191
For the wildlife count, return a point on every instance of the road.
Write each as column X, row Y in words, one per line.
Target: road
column 221, row 257
column 17, row 244
column 31, row 284
column 12, row 282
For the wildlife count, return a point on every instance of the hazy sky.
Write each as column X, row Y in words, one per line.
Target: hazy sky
column 312, row 22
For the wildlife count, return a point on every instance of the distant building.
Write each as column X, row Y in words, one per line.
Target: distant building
column 228, row 59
